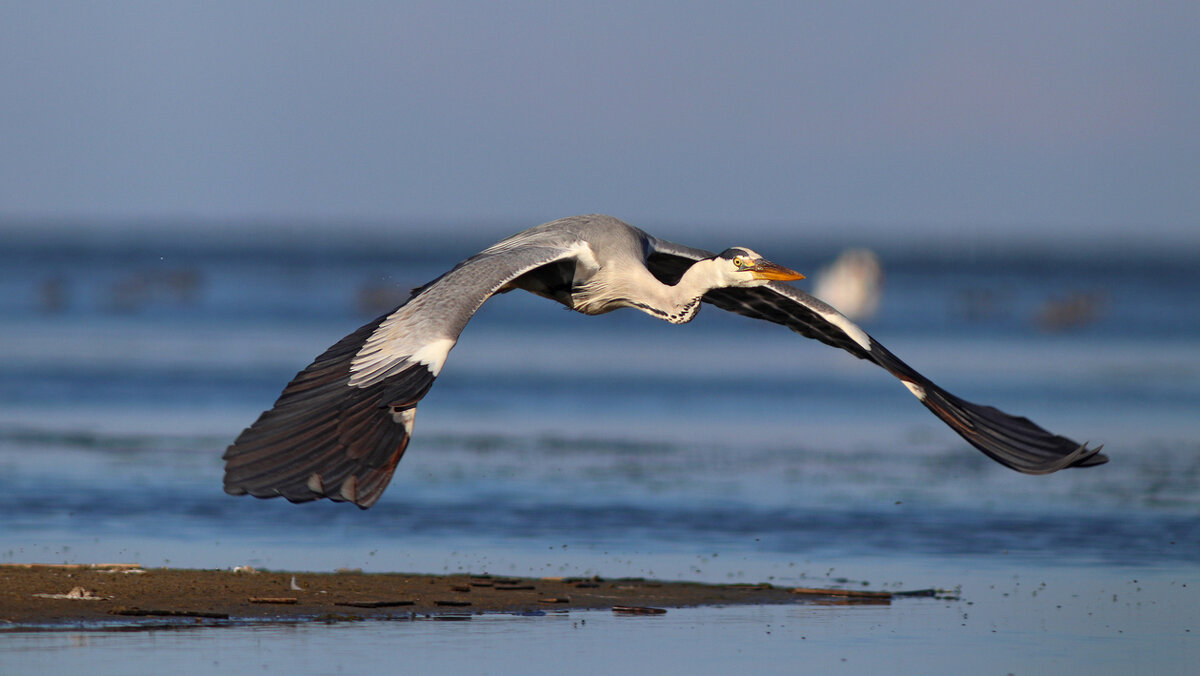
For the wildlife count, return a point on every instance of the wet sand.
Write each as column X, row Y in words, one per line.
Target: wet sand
column 37, row 595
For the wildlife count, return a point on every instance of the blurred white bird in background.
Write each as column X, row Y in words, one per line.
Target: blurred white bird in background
column 853, row 283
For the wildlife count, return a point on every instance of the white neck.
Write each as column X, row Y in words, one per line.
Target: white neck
column 639, row 289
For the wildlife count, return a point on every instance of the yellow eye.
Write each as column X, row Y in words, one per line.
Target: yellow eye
column 739, row 261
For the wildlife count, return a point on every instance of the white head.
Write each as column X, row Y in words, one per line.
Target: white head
column 739, row 266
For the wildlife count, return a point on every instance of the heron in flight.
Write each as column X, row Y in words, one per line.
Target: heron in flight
column 339, row 428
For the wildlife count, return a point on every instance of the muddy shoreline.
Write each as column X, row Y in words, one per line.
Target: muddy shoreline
column 111, row 595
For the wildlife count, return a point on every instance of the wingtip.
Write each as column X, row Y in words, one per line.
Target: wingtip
column 1082, row 456
column 1090, row 457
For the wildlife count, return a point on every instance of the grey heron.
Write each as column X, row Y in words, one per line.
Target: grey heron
column 340, row 426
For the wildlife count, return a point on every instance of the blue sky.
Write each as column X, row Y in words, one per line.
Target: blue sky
column 1022, row 117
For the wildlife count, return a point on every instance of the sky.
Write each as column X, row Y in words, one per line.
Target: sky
column 1069, row 118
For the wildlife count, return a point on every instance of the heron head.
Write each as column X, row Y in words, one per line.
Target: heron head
column 744, row 267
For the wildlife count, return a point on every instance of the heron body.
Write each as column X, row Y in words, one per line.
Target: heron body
column 340, row 426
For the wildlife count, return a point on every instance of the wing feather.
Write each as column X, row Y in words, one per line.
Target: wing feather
column 341, row 425
column 1013, row 441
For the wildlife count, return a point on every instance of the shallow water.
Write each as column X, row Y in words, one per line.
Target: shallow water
column 557, row 444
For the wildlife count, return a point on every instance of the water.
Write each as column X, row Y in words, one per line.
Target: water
column 557, row 444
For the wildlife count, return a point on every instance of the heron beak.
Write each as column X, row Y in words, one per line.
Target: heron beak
column 764, row 269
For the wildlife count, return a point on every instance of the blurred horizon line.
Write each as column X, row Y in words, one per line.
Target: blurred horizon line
column 352, row 232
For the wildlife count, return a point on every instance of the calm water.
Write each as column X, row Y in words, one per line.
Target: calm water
column 560, row 444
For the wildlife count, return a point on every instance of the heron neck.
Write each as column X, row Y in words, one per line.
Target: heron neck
column 636, row 287
column 679, row 303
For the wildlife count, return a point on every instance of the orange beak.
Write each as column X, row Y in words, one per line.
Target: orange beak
column 763, row 269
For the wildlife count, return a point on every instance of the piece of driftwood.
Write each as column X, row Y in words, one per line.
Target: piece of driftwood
column 149, row 612
column 639, row 610
column 851, row 593
column 375, row 604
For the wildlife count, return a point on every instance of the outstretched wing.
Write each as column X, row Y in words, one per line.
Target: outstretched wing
column 341, row 425
column 1014, row 442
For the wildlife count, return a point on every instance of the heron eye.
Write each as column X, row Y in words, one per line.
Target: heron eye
column 739, row 261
